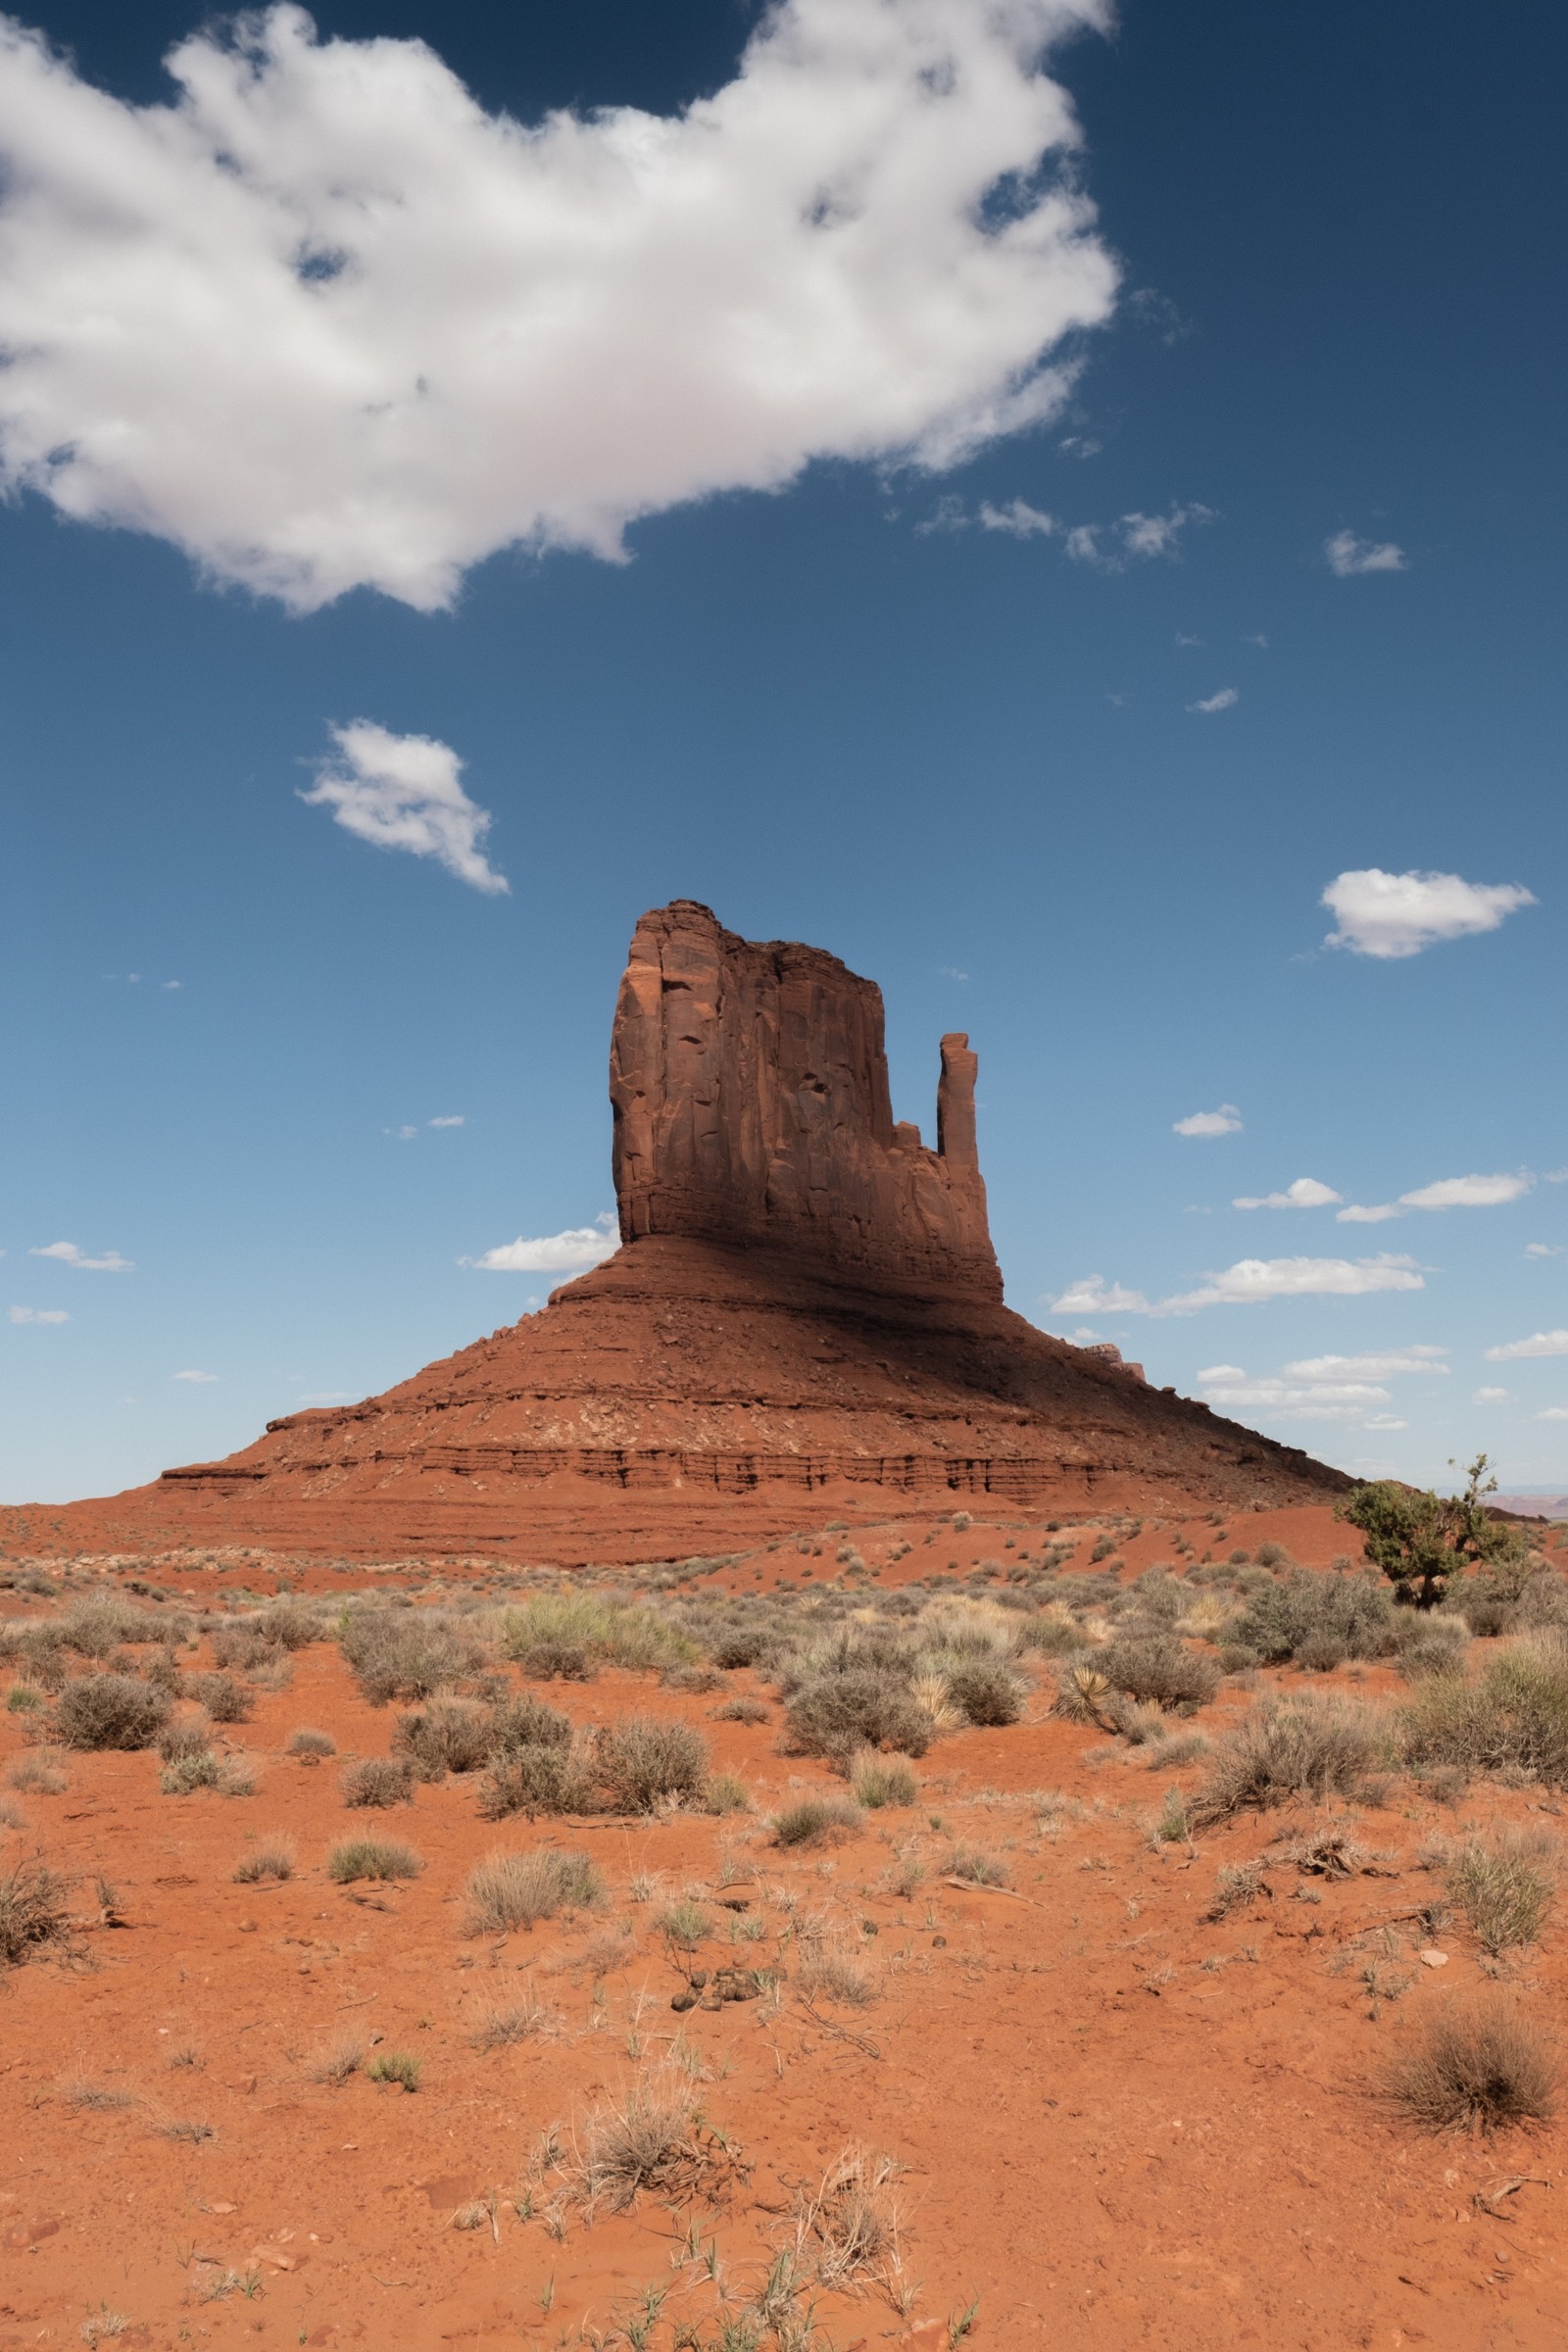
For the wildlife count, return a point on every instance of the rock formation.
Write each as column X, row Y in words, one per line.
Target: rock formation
column 749, row 1088
column 804, row 1315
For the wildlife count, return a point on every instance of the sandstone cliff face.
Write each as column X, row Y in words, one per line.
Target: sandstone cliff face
column 749, row 1088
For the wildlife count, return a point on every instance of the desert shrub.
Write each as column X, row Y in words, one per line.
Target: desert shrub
column 643, row 2140
column 1308, row 1748
column 450, row 1735
column 162, row 1670
column 409, row 1653
column 1478, row 2068
column 1504, row 1887
column 1272, row 1555
column 192, row 1737
column 726, row 1792
column 814, row 1819
column 985, row 1692
column 502, row 2028
column 394, row 2066
column 192, row 1769
column 38, row 1775
column 975, row 1867
column 1438, row 1649
column 289, row 1624
column 40, row 1654
column 244, row 1650
column 110, row 1711
column 379, row 1781
column 527, row 1722
column 372, row 1858
column 32, row 1912
column 224, row 1700
column 741, row 1710
column 742, row 1643
column 24, row 1698
column 1354, row 1611
column 603, row 1631
column 538, row 1779
column 1159, row 1669
column 877, row 1784
column 1055, row 1633
column 641, row 1762
column 311, row 1747
column 1322, row 1651
column 1512, row 1716
column 864, row 1707
column 685, row 1923
column 517, row 1890
column 93, row 1628
column 272, row 1859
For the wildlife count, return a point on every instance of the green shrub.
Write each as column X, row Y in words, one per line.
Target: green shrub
column 1159, row 1669
column 641, row 1762
column 1352, row 1611
column 985, row 1692
column 1305, row 1747
column 110, row 1711
column 396, row 2066
column 517, row 1890
column 1512, row 1716
column 450, row 1735
column 23, row 1699
column 379, row 1781
column 877, row 1784
column 862, row 1707
column 685, row 1925
column 381, row 1858
column 606, row 1632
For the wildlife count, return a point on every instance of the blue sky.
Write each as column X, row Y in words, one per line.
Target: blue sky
column 1036, row 575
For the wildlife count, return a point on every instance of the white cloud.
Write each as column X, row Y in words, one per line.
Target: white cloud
column 323, row 323
column 1387, row 1364
column 1140, row 536
column 1490, row 1396
column 571, row 1253
column 1094, row 1297
column 1544, row 1249
column 1553, row 1412
column 1540, row 1343
column 1384, row 1421
column 1390, row 915
column 1227, row 1120
column 1018, row 519
column 197, row 1379
column 1378, row 1213
column 40, row 1314
column 1226, row 700
column 949, row 972
column 1349, row 556
column 1449, row 1192
column 1253, row 1280
column 458, row 1121
column 1304, row 1193
column 68, row 1255
column 403, row 792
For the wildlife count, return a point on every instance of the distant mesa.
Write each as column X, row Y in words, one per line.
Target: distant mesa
column 805, row 1314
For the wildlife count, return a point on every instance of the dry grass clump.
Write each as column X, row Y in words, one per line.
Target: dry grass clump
column 450, row 1735
column 567, row 1633
column 641, row 1763
column 833, row 1971
column 538, row 1779
column 502, row 2028
column 190, row 1738
column 379, row 1781
column 814, row 1819
column 198, row 1768
column 110, row 1711
column 726, row 1792
column 508, row 1891
column 38, row 1775
column 1305, row 1747
column 1511, row 1716
column 1236, row 1887
column 877, row 1782
column 341, row 2058
column 272, row 1859
column 741, row 1710
column 1474, row 2068
column 32, row 1912
column 846, row 2231
column 224, row 1700
column 382, row 1858
column 644, row 2139
column 975, row 1867
column 1505, row 1886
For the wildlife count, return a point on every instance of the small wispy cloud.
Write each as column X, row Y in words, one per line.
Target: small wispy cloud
column 38, row 1314
column 1132, row 538
column 1018, row 519
column 1304, row 1193
column 1544, row 1249
column 1490, row 1396
column 1094, row 1295
column 1349, row 556
column 1250, row 1282
column 950, row 971
column 1449, row 1192
column 1394, row 915
column 405, row 792
column 573, row 1251
column 200, row 1380
column 67, row 1254
column 1553, row 1412
column 1225, row 700
column 458, row 1120
column 1323, row 1388
column 1227, row 1120
column 1540, row 1343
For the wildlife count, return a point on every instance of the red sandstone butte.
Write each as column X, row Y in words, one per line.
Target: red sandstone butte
column 806, row 1312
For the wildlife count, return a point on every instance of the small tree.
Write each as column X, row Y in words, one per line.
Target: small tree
column 1421, row 1539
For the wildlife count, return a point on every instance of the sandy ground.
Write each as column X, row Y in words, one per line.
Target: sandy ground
column 1115, row 2121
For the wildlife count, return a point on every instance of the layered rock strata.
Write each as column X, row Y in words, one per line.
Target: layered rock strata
column 806, row 1313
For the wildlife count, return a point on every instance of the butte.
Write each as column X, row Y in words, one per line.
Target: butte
column 803, row 1320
